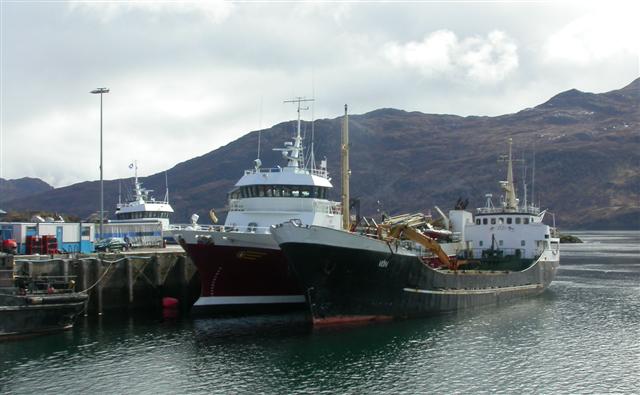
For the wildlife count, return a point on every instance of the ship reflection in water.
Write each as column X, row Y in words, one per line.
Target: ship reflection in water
column 579, row 336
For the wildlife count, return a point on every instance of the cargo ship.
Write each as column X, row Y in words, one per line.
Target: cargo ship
column 241, row 267
column 400, row 269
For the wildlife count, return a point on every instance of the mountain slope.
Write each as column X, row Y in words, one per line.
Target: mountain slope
column 587, row 161
column 20, row 188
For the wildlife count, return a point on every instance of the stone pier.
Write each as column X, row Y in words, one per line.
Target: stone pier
column 123, row 281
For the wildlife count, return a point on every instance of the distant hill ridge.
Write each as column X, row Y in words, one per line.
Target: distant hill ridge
column 587, row 149
column 21, row 187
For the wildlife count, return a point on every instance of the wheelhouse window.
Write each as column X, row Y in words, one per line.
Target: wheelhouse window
column 493, row 221
column 525, row 220
column 509, row 220
column 142, row 215
column 477, row 221
column 297, row 191
column 517, row 220
column 501, row 220
column 484, row 221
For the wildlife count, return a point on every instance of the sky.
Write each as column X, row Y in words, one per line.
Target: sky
column 188, row 77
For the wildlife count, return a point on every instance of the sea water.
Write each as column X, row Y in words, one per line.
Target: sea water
column 581, row 336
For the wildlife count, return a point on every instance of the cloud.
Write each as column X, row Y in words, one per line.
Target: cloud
column 596, row 36
column 188, row 77
column 214, row 11
column 487, row 59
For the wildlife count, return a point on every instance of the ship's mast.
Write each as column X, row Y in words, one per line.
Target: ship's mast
column 295, row 156
column 166, row 183
column 533, row 176
column 345, row 171
column 138, row 187
column 510, row 201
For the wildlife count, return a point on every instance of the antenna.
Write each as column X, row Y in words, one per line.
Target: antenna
column 166, row 183
column 533, row 174
column 119, row 191
column 260, row 126
column 294, row 153
column 524, row 183
column 312, row 156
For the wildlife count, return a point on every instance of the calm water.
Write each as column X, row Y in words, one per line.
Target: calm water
column 582, row 336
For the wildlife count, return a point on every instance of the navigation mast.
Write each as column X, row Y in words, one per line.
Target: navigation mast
column 345, row 170
column 294, row 153
column 510, row 200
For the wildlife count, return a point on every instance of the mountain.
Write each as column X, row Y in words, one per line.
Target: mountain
column 586, row 145
column 21, row 188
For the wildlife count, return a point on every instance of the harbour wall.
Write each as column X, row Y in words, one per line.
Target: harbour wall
column 122, row 281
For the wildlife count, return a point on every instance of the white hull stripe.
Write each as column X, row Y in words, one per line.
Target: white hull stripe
column 474, row 291
column 224, row 300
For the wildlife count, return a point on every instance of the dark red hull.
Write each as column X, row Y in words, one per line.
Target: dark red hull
column 238, row 279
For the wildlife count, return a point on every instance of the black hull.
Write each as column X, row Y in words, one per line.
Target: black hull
column 21, row 316
column 348, row 284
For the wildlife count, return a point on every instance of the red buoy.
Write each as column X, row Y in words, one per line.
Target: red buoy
column 169, row 303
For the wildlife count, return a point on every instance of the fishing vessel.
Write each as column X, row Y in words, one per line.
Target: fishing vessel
column 241, row 267
column 31, row 305
column 143, row 207
column 402, row 269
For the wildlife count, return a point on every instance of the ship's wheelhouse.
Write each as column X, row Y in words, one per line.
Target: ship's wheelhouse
column 142, row 215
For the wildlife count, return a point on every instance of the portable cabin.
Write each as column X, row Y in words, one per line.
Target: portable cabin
column 50, row 237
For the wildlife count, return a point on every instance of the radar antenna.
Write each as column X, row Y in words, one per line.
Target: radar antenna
column 293, row 151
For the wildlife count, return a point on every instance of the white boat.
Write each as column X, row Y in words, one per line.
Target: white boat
column 241, row 267
column 143, row 208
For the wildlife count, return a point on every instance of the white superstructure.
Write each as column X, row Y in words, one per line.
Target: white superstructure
column 267, row 196
column 143, row 207
column 510, row 227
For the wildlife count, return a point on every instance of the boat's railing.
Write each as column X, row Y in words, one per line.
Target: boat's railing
column 477, row 252
column 327, row 207
column 316, row 172
column 501, row 210
column 37, row 282
column 222, row 228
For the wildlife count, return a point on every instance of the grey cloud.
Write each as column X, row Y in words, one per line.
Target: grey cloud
column 185, row 81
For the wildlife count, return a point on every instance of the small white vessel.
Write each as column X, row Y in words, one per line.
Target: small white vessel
column 144, row 208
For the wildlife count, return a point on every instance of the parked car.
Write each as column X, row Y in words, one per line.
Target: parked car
column 112, row 244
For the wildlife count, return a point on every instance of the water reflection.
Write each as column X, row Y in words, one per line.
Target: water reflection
column 579, row 336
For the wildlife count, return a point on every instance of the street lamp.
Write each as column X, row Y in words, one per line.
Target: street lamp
column 100, row 91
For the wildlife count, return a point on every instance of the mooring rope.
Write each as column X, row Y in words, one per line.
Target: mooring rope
column 109, row 267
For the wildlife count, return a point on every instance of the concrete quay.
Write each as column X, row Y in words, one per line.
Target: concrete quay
column 131, row 280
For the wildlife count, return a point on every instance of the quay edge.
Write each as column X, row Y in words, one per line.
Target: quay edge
column 115, row 282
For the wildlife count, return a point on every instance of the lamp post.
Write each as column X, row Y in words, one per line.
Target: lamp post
column 100, row 91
